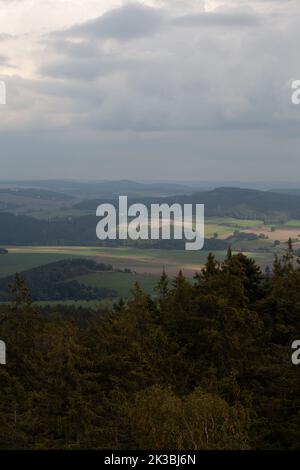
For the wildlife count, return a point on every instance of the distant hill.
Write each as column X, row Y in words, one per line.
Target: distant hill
column 82, row 189
column 35, row 194
column 131, row 188
column 28, row 199
column 230, row 202
column 291, row 191
column 55, row 281
column 223, row 202
column 247, row 203
column 24, row 230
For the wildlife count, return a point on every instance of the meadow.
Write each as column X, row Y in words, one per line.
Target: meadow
column 225, row 226
column 19, row 260
column 140, row 261
column 147, row 264
column 122, row 283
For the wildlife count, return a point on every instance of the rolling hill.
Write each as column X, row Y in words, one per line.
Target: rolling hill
column 229, row 202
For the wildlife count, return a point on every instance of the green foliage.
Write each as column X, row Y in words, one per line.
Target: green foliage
column 55, row 281
column 202, row 365
column 199, row 420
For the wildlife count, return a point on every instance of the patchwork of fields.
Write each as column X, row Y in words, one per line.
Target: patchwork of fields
column 146, row 265
column 138, row 260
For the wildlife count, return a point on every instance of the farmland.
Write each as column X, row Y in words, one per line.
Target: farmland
column 225, row 226
column 121, row 282
column 147, row 264
column 19, row 260
column 152, row 261
column 138, row 260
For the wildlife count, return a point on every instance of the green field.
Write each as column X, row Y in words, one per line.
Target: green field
column 146, row 264
column 54, row 214
column 253, row 246
column 235, row 223
column 293, row 224
column 18, row 261
column 141, row 261
column 122, row 283
column 225, row 226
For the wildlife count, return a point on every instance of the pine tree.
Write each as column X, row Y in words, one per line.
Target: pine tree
column 162, row 287
column 229, row 253
column 21, row 293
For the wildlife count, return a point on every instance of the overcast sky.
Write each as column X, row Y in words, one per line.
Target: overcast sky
column 152, row 89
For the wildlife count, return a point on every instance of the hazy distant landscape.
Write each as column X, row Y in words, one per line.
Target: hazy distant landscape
column 45, row 222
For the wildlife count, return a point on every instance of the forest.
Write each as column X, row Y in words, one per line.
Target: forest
column 199, row 365
column 55, row 281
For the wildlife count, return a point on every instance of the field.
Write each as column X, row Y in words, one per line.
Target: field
column 18, row 260
column 293, row 223
column 53, row 214
column 140, row 261
column 225, row 226
column 147, row 265
column 120, row 282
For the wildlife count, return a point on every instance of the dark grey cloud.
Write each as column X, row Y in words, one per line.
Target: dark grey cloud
column 67, row 48
column 77, row 50
column 179, row 95
column 125, row 23
column 88, row 68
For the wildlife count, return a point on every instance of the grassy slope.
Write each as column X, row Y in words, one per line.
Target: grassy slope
column 293, row 223
column 120, row 282
column 21, row 261
column 143, row 261
column 59, row 214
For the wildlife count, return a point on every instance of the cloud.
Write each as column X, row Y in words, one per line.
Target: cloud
column 88, row 68
column 125, row 23
column 180, row 6
column 5, row 62
column 228, row 18
column 3, row 59
column 154, row 88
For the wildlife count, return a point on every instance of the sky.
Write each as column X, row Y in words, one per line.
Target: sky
column 152, row 89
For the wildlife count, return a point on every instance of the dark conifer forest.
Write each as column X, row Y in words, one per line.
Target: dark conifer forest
column 198, row 365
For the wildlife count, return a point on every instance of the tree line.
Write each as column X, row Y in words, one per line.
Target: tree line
column 57, row 281
column 202, row 364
